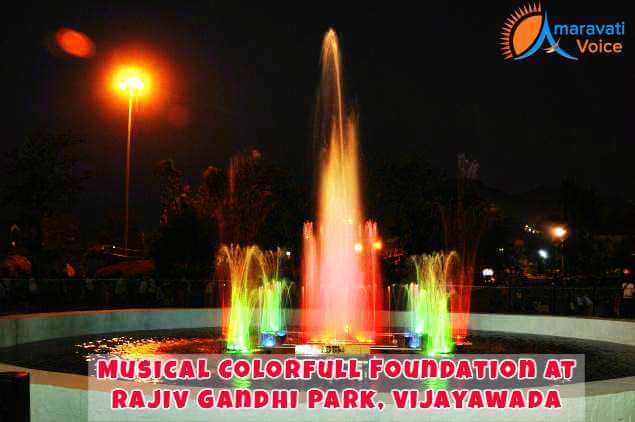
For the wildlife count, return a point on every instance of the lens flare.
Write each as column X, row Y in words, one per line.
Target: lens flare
column 74, row 43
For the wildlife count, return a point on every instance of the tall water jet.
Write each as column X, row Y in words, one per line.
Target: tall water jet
column 340, row 258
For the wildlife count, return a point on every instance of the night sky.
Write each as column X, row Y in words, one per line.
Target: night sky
column 426, row 78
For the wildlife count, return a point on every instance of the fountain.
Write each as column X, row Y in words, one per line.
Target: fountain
column 341, row 276
column 273, row 296
column 251, row 284
column 427, row 303
column 341, row 294
column 340, row 297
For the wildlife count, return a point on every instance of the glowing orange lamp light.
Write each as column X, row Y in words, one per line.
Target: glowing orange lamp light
column 559, row 232
column 131, row 80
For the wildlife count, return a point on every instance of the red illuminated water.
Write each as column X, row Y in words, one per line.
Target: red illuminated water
column 341, row 275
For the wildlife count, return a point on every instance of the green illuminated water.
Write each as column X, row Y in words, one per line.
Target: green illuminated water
column 273, row 296
column 427, row 301
column 258, row 295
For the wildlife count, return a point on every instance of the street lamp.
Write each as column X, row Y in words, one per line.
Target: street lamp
column 131, row 82
column 559, row 234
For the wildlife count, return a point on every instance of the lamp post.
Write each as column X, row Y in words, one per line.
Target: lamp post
column 132, row 84
column 559, row 234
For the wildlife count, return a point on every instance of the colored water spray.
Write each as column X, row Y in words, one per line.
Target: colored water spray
column 341, row 275
column 427, row 302
column 243, row 269
column 255, row 298
column 273, row 297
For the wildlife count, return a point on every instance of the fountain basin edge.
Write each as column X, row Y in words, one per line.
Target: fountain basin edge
column 61, row 396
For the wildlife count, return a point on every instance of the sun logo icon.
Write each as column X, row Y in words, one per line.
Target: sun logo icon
column 525, row 31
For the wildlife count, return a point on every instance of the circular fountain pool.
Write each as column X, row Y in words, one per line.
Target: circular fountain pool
column 48, row 346
column 70, row 354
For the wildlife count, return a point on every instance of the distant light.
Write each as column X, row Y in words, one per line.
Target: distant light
column 626, row 271
column 288, row 253
column 559, row 232
column 501, row 250
column 543, row 253
column 378, row 245
column 530, row 229
column 358, row 247
column 488, row 272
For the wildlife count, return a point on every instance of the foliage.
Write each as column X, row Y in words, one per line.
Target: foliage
column 171, row 187
column 42, row 182
column 251, row 202
column 403, row 198
column 596, row 243
column 43, row 178
column 466, row 215
column 185, row 246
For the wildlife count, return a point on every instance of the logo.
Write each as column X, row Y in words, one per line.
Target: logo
column 528, row 31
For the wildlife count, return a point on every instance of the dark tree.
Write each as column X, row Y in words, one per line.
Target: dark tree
column 42, row 181
column 598, row 230
column 581, row 206
column 187, row 237
column 248, row 199
column 465, row 217
column 185, row 245
column 288, row 209
column 403, row 199
column 251, row 203
column 171, row 187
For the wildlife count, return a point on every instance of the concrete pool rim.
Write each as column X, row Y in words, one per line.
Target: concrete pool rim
column 28, row 328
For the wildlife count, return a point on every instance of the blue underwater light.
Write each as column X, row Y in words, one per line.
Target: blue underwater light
column 413, row 341
column 268, row 340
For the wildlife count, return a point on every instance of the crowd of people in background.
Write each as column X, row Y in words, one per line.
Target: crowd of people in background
column 44, row 295
column 628, row 299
